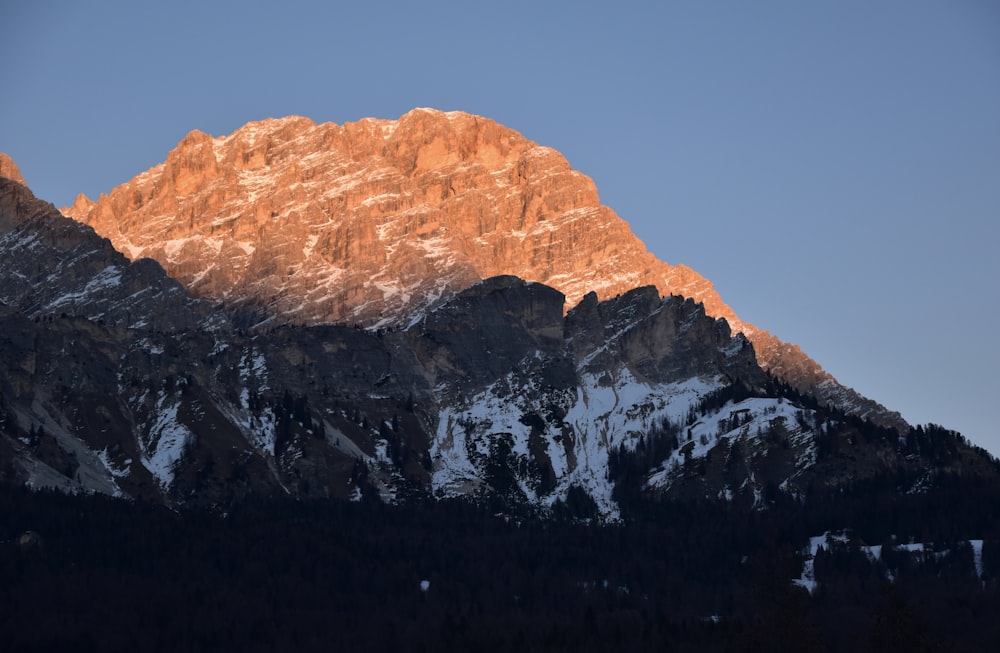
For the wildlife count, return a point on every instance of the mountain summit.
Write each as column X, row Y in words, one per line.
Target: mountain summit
column 377, row 221
column 10, row 170
column 374, row 221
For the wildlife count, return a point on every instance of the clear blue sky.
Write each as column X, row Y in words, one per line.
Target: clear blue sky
column 833, row 167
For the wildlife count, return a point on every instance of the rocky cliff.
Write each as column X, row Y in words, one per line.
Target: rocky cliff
column 375, row 222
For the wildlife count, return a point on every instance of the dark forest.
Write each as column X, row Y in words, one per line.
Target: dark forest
column 91, row 573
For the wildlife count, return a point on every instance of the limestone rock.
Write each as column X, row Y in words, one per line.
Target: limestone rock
column 374, row 221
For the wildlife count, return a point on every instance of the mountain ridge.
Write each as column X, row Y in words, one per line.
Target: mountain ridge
column 375, row 221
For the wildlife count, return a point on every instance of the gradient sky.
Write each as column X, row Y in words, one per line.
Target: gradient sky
column 832, row 167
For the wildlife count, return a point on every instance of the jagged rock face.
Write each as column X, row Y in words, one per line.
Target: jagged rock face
column 659, row 341
column 369, row 222
column 468, row 343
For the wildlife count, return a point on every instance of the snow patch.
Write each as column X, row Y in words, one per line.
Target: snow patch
column 164, row 445
column 109, row 277
column 310, row 245
column 255, row 182
column 817, row 542
column 105, row 459
column 977, row 557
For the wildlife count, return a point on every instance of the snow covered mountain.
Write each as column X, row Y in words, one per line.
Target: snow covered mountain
column 114, row 380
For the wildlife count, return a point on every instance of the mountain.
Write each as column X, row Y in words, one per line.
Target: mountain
column 115, row 380
column 373, row 223
column 505, row 474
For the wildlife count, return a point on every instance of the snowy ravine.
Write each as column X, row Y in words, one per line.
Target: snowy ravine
column 164, row 445
column 597, row 418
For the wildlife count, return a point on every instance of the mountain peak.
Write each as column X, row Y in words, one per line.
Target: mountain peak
column 10, row 170
column 80, row 208
column 393, row 214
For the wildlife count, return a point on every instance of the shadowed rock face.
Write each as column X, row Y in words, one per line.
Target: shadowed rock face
column 65, row 269
column 174, row 404
column 114, row 380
